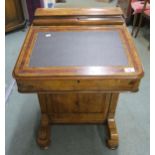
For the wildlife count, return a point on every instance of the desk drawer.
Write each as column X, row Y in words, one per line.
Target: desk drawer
column 78, row 85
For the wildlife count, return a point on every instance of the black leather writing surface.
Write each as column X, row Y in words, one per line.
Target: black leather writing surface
column 88, row 48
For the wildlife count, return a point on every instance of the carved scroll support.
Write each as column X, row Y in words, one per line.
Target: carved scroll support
column 113, row 139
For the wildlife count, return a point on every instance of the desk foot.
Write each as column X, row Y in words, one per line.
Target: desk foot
column 113, row 139
column 43, row 138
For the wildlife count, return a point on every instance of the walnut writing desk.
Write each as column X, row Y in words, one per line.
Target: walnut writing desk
column 78, row 61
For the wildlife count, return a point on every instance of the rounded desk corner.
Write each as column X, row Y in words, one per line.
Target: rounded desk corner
column 140, row 73
column 16, row 73
column 13, row 74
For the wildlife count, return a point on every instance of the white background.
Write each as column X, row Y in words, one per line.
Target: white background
column 2, row 77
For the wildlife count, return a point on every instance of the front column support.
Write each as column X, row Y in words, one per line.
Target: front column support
column 43, row 138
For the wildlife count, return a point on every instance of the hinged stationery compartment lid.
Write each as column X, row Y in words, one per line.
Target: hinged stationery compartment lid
column 78, row 16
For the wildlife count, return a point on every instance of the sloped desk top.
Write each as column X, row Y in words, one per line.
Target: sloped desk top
column 74, row 51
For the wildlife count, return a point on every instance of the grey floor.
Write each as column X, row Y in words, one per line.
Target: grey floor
column 22, row 114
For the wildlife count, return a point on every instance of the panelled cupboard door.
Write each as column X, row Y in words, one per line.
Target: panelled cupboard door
column 76, row 102
column 81, row 107
column 14, row 17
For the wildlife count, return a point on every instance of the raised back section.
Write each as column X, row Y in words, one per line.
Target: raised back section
column 78, row 16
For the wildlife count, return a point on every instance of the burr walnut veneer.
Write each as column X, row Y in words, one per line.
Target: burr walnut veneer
column 78, row 61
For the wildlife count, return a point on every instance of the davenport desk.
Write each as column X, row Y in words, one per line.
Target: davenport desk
column 78, row 61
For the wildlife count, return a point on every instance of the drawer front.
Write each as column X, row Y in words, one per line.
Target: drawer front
column 78, row 85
